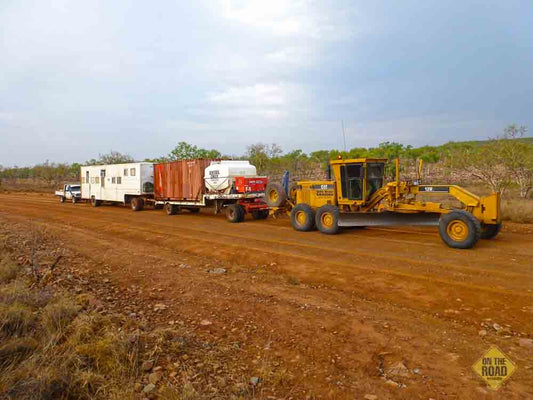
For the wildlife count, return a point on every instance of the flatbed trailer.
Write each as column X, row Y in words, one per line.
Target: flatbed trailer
column 194, row 184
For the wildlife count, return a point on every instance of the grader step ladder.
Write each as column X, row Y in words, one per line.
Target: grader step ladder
column 355, row 195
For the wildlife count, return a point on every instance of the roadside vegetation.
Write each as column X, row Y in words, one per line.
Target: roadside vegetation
column 503, row 164
column 59, row 342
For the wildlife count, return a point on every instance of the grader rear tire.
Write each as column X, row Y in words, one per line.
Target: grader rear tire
column 303, row 218
column 459, row 229
column 490, row 231
column 275, row 195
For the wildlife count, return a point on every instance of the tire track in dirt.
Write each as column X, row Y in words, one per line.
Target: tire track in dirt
column 385, row 287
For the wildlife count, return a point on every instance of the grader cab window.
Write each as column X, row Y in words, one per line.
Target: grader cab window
column 374, row 177
column 352, row 181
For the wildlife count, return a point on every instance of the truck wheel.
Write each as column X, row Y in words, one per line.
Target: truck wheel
column 327, row 219
column 293, row 189
column 275, row 195
column 303, row 218
column 459, row 229
column 74, row 200
column 235, row 213
column 260, row 214
column 137, row 204
column 490, row 231
column 171, row 209
column 95, row 203
column 61, row 199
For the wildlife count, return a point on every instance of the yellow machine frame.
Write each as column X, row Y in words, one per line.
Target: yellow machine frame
column 376, row 203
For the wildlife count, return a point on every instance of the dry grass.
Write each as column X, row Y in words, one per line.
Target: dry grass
column 50, row 348
column 517, row 210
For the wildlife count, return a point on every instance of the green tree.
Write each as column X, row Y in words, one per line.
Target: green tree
column 186, row 151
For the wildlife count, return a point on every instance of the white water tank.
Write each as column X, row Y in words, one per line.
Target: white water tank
column 219, row 175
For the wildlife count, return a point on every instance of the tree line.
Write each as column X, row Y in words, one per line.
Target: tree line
column 500, row 162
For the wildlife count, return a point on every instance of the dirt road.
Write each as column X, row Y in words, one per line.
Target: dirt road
column 327, row 315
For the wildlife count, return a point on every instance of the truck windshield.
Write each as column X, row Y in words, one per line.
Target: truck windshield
column 74, row 188
column 352, row 181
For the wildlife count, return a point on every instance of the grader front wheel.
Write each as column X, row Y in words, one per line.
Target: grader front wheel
column 490, row 231
column 327, row 219
column 303, row 218
column 459, row 229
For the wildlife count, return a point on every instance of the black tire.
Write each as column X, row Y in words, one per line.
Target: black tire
column 303, row 218
column 327, row 219
column 171, row 209
column 459, row 229
column 74, row 200
column 61, row 199
column 490, row 231
column 260, row 214
column 95, row 203
column 137, row 204
column 235, row 213
column 275, row 195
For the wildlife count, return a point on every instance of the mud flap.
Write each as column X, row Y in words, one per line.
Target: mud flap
column 388, row 219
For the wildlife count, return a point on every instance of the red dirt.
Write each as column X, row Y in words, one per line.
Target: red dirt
column 326, row 311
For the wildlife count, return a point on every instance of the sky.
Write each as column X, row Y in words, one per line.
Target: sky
column 81, row 78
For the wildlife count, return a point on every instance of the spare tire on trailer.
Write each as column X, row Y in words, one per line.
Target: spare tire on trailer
column 235, row 213
column 489, row 231
column 275, row 194
column 137, row 204
column 459, row 229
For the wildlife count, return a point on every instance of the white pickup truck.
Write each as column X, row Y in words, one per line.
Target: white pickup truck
column 71, row 191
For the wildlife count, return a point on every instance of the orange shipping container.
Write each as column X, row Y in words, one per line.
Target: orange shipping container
column 180, row 180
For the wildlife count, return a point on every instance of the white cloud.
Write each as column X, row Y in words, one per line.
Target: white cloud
column 258, row 94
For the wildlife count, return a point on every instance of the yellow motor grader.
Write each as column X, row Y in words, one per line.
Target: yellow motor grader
column 355, row 195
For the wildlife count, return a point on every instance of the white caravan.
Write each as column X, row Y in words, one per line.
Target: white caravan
column 130, row 183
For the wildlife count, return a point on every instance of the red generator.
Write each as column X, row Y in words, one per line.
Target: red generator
column 255, row 184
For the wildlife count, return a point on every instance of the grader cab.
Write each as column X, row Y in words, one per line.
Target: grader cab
column 355, row 194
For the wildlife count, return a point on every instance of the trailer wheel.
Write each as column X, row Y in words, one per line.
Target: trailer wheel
column 327, row 219
column 235, row 213
column 459, row 229
column 137, row 204
column 303, row 218
column 275, row 194
column 61, row 199
column 95, row 203
column 490, row 231
column 260, row 214
column 171, row 209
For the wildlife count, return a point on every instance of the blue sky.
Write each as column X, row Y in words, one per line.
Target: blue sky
column 79, row 78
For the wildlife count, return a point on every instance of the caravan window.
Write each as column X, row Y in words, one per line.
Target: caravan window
column 132, row 171
column 119, row 180
column 113, row 179
column 125, row 172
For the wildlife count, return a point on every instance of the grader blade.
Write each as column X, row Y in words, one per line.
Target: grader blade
column 388, row 219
